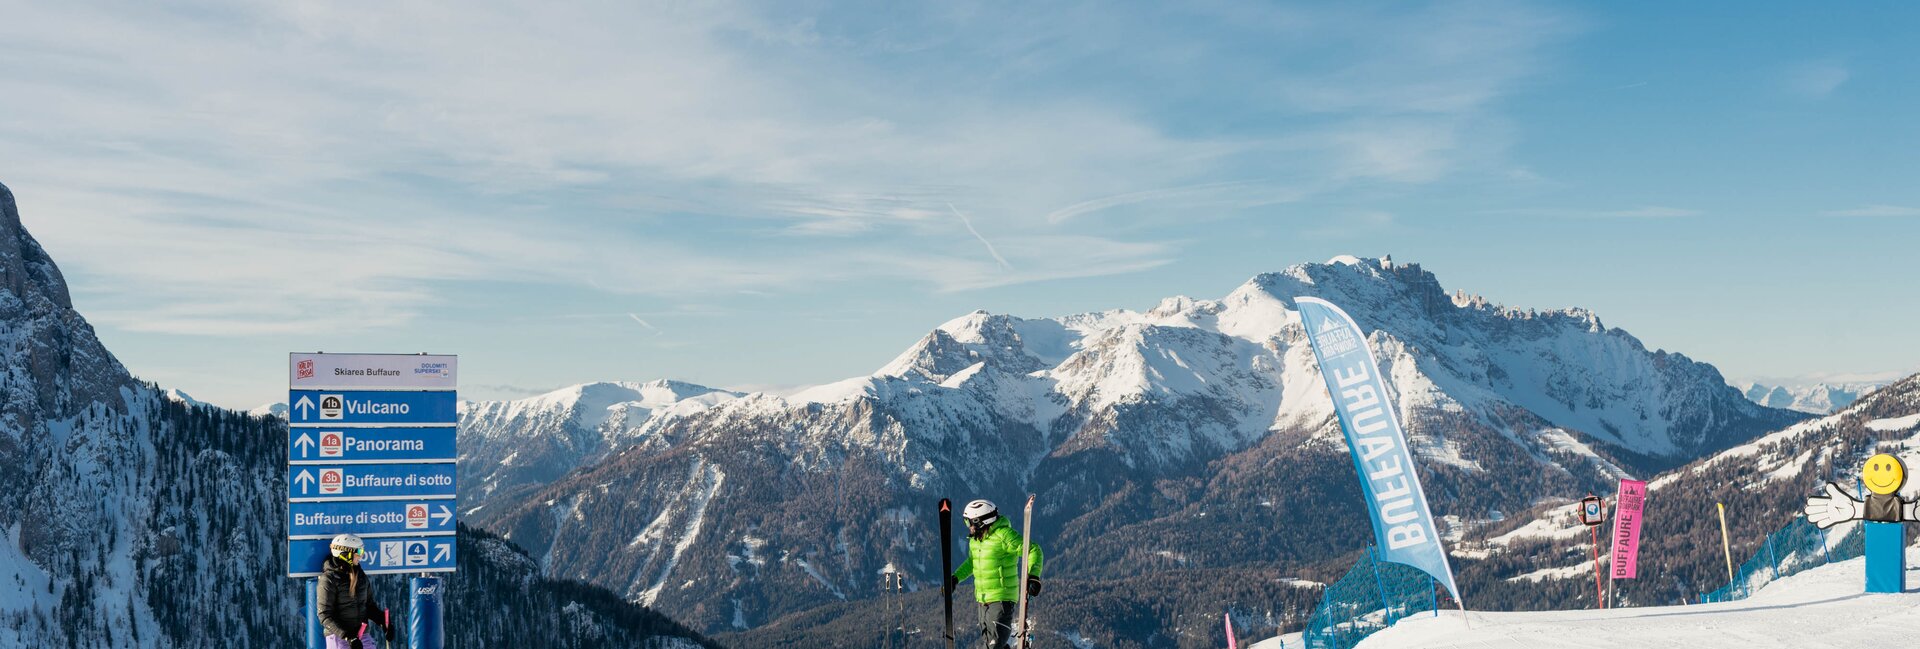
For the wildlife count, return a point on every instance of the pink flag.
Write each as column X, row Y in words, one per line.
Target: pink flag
column 1626, row 528
column 1230, row 642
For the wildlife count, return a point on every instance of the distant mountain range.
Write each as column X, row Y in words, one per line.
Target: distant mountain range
column 1817, row 398
column 1194, row 439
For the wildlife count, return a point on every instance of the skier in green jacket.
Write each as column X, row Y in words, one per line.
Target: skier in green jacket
column 993, row 552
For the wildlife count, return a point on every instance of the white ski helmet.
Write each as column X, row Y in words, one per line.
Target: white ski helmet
column 980, row 512
column 346, row 542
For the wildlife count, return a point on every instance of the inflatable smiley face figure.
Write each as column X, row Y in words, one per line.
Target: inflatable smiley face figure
column 1884, row 511
column 1883, row 476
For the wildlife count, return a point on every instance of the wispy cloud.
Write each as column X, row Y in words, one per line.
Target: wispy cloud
column 1875, row 211
column 983, row 240
column 1106, row 202
column 1642, row 212
column 252, row 169
column 504, row 389
column 1353, row 225
column 1816, row 79
column 643, row 323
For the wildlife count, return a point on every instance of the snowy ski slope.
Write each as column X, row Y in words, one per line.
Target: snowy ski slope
column 1822, row 607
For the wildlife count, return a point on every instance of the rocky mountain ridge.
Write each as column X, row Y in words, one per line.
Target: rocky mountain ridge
column 1197, row 433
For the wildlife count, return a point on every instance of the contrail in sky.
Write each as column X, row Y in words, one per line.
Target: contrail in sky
column 983, row 240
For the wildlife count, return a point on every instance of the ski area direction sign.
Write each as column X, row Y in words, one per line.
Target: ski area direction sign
column 385, row 555
column 314, row 371
column 372, row 441
column 370, row 445
column 322, row 520
column 351, row 408
column 317, row 482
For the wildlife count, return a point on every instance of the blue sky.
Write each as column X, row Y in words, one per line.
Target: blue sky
column 772, row 194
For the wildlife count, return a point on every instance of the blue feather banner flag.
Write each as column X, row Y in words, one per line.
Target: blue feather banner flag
column 1402, row 525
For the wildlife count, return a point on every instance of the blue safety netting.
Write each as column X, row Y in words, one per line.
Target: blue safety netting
column 1792, row 549
column 1370, row 597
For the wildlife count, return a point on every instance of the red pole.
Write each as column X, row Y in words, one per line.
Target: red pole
column 1598, row 592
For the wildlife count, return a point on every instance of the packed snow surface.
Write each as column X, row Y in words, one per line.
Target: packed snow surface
column 1894, row 424
column 1823, row 607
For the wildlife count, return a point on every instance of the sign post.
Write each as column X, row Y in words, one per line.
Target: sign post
column 425, row 602
column 372, row 441
column 1726, row 546
column 1593, row 513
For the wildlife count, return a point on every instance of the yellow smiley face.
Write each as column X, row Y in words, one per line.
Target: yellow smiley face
column 1884, row 474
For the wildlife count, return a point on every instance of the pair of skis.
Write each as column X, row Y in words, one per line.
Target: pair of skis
column 1024, row 635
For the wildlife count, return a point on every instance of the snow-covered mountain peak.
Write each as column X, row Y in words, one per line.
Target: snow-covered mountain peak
column 1010, row 344
column 179, row 395
column 1561, row 365
column 592, row 404
column 275, row 409
column 835, row 392
column 520, row 444
column 1816, row 398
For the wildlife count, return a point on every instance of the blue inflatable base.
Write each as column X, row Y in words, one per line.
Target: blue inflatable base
column 1886, row 557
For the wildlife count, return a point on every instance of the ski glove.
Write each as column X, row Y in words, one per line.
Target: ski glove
column 1834, row 507
column 355, row 644
column 1033, row 586
column 953, row 584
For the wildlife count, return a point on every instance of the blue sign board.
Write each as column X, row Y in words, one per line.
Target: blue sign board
column 349, row 445
column 372, row 441
column 389, row 555
column 313, row 482
column 371, row 407
column 369, row 518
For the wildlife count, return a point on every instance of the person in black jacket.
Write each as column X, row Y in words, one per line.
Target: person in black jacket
column 346, row 606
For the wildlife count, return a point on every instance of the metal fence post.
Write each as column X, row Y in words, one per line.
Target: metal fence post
column 1374, row 563
column 1773, row 559
column 1824, row 552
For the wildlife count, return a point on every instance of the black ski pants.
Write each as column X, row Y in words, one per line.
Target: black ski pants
column 996, row 624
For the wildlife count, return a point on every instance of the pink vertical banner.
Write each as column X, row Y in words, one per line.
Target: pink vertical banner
column 1231, row 644
column 1626, row 528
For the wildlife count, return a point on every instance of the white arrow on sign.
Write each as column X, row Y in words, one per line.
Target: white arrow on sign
column 304, row 479
column 305, row 443
column 444, row 515
column 304, row 405
column 441, row 550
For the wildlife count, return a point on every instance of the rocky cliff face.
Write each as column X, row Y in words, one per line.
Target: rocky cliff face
column 131, row 516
